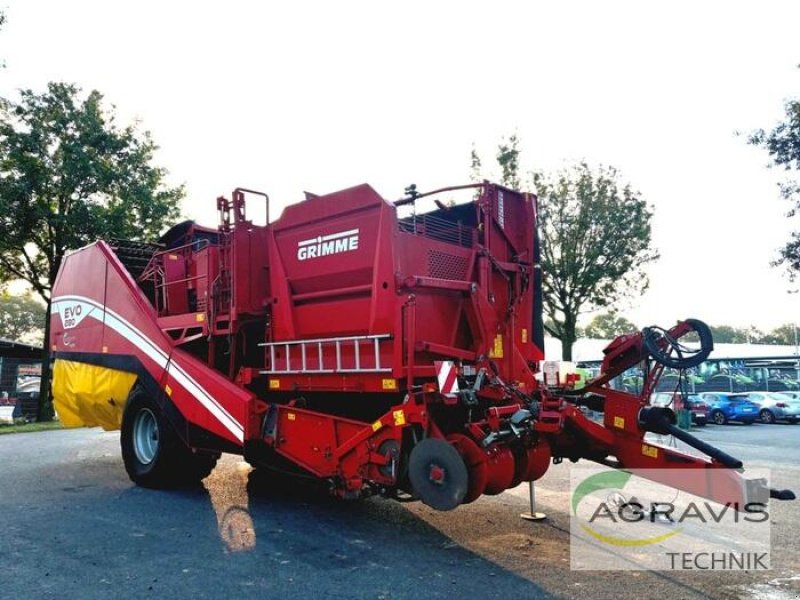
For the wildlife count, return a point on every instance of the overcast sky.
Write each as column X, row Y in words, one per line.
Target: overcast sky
column 293, row 96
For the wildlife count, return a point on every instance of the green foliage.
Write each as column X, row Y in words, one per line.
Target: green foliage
column 609, row 325
column 782, row 144
column 70, row 175
column 2, row 23
column 474, row 165
column 783, row 335
column 595, row 239
column 508, row 159
column 725, row 334
column 30, row 427
column 21, row 318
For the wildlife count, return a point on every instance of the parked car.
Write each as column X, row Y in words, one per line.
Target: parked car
column 693, row 403
column 699, row 409
column 775, row 406
column 723, row 408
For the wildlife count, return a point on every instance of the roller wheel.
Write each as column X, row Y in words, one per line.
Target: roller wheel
column 501, row 469
column 391, row 450
column 539, row 457
column 476, row 461
column 438, row 474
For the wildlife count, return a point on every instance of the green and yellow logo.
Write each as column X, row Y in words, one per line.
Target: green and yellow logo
column 619, row 511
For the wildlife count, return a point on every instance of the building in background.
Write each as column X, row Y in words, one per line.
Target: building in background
column 20, row 373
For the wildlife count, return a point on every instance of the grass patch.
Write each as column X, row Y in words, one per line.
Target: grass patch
column 29, row 427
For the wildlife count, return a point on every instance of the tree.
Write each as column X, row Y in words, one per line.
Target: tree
column 783, row 146
column 595, row 238
column 474, row 165
column 68, row 176
column 508, row 159
column 609, row 325
column 785, row 335
column 725, row 334
column 21, row 318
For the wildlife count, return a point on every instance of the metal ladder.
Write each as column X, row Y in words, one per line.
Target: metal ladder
column 321, row 344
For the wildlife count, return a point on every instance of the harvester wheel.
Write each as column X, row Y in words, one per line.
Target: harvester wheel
column 154, row 455
column 438, row 474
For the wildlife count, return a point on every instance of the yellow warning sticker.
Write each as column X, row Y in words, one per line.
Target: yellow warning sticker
column 399, row 417
column 200, row 317
column 389, row 384
column 650, row 451
column 619, row 422
column 274, row 384
column 524, row 336
column 497, row 350
column 291, row 416
column 376, row 425
column 168, row 390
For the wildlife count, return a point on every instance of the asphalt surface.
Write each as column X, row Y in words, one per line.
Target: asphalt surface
column 72, row 525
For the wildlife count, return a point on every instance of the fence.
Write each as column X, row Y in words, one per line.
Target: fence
column 721, row 375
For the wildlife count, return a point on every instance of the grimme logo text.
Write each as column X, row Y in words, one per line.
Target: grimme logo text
column 325, row 245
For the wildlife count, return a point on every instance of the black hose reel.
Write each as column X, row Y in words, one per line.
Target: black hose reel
column 670, row 352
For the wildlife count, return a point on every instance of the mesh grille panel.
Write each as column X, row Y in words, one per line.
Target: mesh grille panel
column 447, row 266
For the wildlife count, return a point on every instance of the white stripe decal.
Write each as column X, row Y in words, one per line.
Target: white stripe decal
column 157, row 355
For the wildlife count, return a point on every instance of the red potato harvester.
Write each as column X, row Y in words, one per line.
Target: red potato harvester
column 377, row 353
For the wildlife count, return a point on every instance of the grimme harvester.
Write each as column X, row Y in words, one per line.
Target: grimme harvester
column 377, row 353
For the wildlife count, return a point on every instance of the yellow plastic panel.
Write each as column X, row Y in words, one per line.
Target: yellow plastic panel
column 88, row 395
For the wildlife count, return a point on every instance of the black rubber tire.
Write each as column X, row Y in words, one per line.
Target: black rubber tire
column 719, row 417
column 652, row 335
column 173, row 464
column 767, row 417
